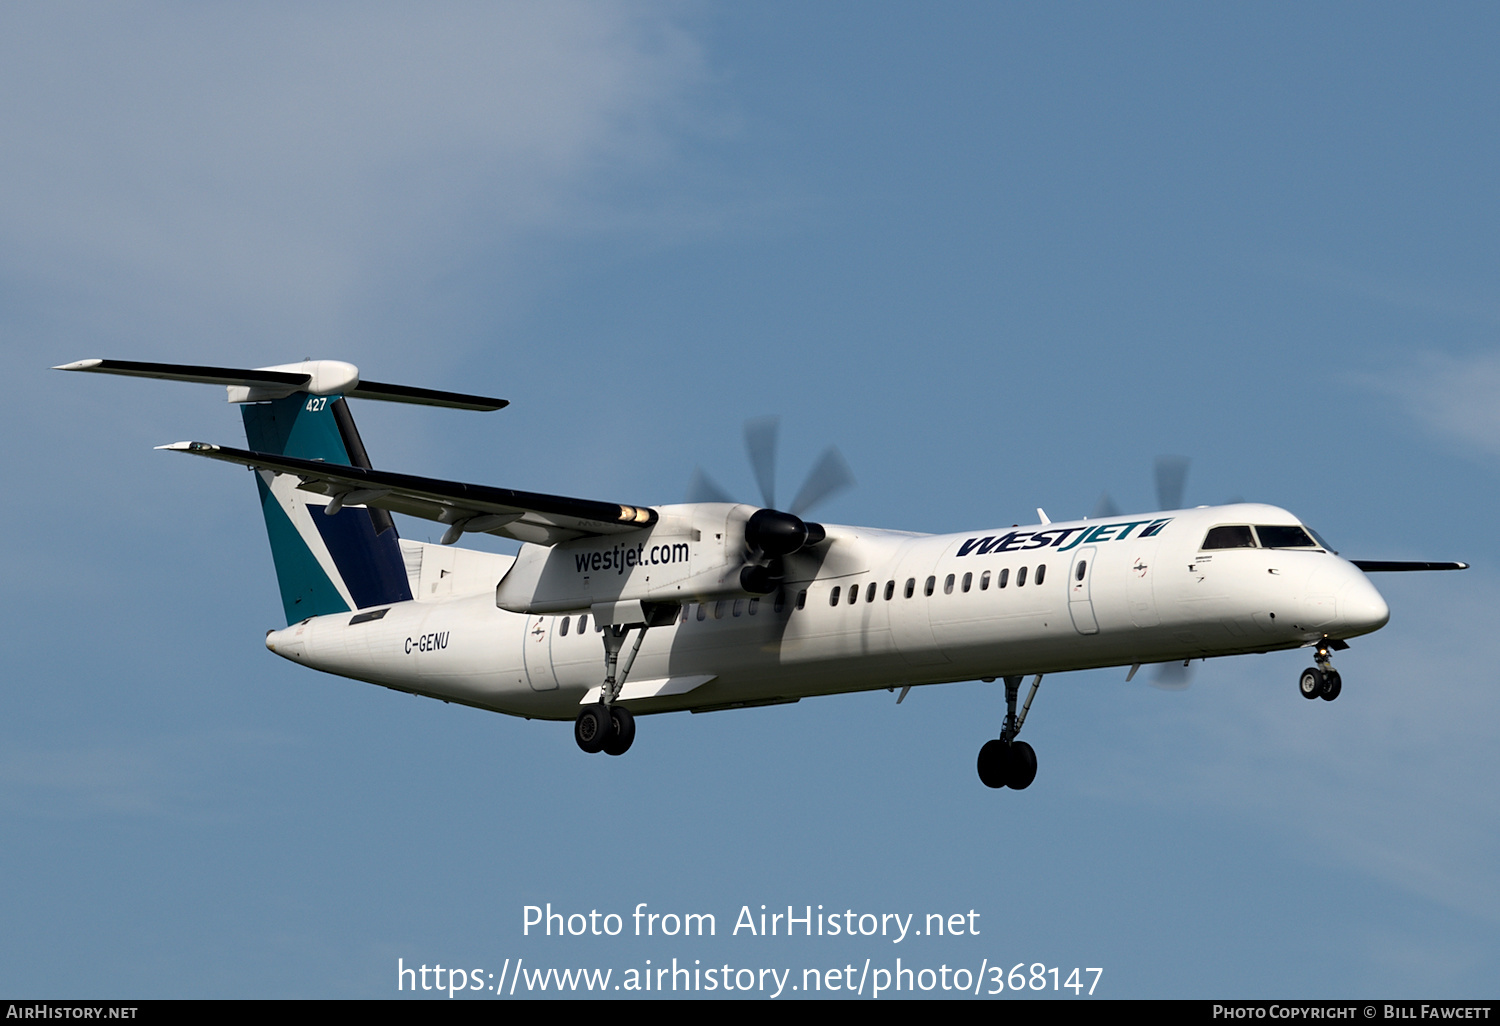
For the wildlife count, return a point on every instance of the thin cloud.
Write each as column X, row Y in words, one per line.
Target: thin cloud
column 1444, row 301
column 284, row 163
column 1457, row 397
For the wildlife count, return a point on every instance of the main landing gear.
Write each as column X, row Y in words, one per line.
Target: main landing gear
column 1008, row 762
column 1322, row 681
column 606, row 726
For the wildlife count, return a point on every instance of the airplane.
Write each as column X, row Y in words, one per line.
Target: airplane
column 729, row 605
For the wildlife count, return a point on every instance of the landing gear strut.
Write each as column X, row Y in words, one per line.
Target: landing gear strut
column 607, row 726
column 1008, row 762
column 1322, row 681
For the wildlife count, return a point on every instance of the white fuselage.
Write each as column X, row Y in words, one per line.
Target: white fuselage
column 1076, row 595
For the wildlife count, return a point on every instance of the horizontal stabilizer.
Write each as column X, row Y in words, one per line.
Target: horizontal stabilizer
column 315, row 377
column 425, row 397
column 525, row 516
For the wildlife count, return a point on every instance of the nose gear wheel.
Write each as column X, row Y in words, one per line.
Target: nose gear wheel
column 1322, row 681
column 1006, row 762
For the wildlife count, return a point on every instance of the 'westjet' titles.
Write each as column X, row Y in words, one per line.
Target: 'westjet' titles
column 1058, row 537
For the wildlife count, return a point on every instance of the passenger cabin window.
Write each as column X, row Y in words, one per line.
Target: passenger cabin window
column 583, row 621
column 870, row 592
column 1083, row 568
column 911, row 586
column 1234, row 536
column 833, row 596
column 754, row 605
column 984, row 581
column 853, row 594
column 1041, row 573
column 968, row 580
column 802, row 599
column 948, row 585
column 563, row 630
column 890, row 590
column 702, row 612
column 930, row 587
column 1021, row 577
column 1279, row 537
column 1003, row 579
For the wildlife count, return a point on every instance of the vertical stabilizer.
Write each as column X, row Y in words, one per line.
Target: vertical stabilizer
column 324, row 563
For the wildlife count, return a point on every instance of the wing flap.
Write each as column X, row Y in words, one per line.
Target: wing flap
column 525, row 516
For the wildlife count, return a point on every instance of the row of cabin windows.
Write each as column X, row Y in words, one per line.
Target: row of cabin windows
column 734, row 607
column 737, row 607
column 1001, row 580
column 705, row 610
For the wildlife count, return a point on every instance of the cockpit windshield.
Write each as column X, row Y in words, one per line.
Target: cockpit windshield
column 1280, row 537
column 1263, row 536
column 1230, row 537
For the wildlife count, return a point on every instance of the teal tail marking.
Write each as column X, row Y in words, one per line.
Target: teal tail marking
column 324, row 564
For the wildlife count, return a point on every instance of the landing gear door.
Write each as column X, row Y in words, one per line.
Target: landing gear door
column 1080, row 605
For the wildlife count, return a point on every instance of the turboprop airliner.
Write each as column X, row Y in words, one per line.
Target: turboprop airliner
column 611, row 611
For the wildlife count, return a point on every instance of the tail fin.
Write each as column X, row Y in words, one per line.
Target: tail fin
column 324, row 563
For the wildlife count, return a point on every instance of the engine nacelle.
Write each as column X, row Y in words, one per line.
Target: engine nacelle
column 692, row 553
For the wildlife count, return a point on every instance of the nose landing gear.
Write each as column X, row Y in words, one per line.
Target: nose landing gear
column 1322, row 681
column 1007, row 762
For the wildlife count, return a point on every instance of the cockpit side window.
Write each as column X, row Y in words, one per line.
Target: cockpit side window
column 1279, row 537
column 1235, row 536
column 1322, row 541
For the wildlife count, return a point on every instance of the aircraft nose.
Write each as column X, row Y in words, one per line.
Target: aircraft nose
column 1361, row 608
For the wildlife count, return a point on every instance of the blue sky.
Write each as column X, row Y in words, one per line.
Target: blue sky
column 1002, row 255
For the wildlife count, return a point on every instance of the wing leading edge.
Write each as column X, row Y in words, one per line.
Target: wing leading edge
column 465, row 508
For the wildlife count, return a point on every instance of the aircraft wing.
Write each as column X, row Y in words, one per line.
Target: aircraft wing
column 1371, row 566
column 525, row 516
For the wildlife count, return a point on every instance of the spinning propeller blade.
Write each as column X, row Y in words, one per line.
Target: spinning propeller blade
column 702, row 488
column 760, row 443
column 1172, row 676
column 829, row 476
column 1171, row 479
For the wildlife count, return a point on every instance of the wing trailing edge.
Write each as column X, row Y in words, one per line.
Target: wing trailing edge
column 464, row 508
